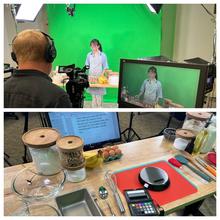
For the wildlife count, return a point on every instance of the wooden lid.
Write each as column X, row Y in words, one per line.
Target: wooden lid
column 201, row 116
column 70, row 143
column 185, row 134
column 40, row 137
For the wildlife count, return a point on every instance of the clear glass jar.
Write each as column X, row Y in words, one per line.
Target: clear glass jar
column 72, row 159
column 46, row 160
column 196, row 121
column 76, row 175
column 180, row 143
column 42, row 145
column 183, row 138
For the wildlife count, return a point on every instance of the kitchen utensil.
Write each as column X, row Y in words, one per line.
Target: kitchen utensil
column 209, row 163
column 175, row 162
column 207, row 167
column 103, row 194
column 154, row 178
column 212, row 157
column 185, row 162
column 111, row 180
column 96, row 201
column 206, row 162
column 77, row 203
column 29, row 181
column 195, row 163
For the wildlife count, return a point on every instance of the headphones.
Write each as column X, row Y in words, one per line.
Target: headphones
column 50, row 51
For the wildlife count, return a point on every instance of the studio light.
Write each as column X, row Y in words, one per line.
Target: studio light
column 27, row 11
column 70, row 10
column 155, row 8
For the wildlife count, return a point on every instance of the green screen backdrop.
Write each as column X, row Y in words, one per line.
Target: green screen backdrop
column 125, row 31
column 176, row 82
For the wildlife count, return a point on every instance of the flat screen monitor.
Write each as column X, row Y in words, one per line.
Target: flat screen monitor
column 95, row 128
column 181, row 83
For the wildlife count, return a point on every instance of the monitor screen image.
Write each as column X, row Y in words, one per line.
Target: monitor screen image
column 95, row 128
column 179, row 84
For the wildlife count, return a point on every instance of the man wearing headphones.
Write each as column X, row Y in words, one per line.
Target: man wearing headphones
column 30, row 86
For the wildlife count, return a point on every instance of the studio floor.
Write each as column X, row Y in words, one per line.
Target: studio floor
column 145, row 124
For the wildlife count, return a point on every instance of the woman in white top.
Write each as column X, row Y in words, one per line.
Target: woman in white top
column 151, row 88
column 97, row 62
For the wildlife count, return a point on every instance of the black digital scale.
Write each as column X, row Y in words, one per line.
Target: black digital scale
column 154, row 178
column 139, row 201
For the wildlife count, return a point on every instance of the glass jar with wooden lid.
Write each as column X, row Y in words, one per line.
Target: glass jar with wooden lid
column 42, row 145
column 71, row 156
column 183, row 138
column 196, row 121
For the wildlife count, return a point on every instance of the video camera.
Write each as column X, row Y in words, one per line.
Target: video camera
column 8, row 68
column 78, row 82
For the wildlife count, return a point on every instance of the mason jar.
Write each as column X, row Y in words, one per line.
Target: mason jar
column 41, row 143
column 71, row 156
column 183, row 138
column 196, row 121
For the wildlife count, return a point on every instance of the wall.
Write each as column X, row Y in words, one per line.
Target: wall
column 168, row 30
column 10, row 29
column 129, row 31
column 194, row 32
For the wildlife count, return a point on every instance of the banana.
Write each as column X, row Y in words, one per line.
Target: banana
column 93, row 159
column 90, row 155
column 102, row 79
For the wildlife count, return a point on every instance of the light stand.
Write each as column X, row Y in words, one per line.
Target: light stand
column 131, row 133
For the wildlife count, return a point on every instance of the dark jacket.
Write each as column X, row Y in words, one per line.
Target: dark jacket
column 33, row 89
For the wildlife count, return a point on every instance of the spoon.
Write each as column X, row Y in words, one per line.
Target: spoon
column 96, row 201
column 185, row 162
column 29, row 181
column 103, row 194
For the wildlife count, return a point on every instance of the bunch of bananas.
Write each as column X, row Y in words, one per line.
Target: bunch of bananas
column 102, row 79
column 93, row 159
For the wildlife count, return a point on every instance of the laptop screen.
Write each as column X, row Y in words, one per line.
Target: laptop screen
column 95, row 128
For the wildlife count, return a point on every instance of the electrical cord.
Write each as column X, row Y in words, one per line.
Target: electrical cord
column 208, row 11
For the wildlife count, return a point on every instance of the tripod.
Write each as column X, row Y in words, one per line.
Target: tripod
column 129, row 133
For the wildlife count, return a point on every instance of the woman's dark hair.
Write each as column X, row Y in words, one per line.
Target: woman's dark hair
column 96, row 41
column 154, row 70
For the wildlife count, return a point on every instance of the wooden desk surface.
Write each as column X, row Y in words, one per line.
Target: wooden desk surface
column 142, row 151
column 91, row 85
column 98, row 85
